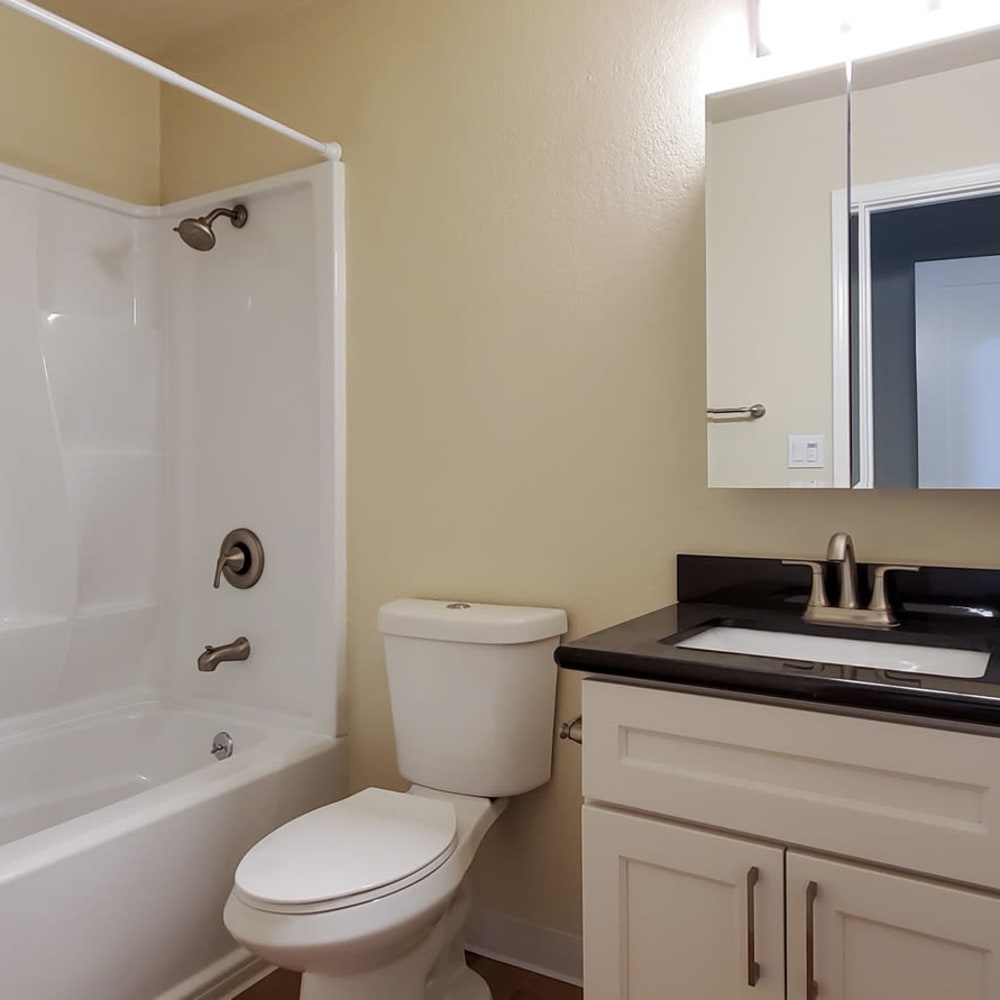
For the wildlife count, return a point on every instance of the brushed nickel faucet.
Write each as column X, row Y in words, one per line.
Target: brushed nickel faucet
column 840, row 551
column 238, row 649
column 241, row 559
column 819, row 611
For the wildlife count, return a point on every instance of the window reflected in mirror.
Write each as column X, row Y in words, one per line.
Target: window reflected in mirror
column 925, row 338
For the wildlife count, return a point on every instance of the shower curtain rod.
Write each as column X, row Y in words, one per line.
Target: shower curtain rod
column 328, row 150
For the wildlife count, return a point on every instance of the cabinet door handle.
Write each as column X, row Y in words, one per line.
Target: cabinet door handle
column 753, row 966
column 812, row 987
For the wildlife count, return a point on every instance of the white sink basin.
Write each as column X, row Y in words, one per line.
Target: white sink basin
column 847, row 652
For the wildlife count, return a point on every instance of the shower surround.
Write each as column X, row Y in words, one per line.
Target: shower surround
column 151, row 399
column 81, row 446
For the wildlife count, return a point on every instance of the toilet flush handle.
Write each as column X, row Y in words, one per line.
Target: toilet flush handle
column 572, row 730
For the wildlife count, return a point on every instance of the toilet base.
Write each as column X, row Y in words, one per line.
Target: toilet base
column 464, row 985
column 434, row 970
column 468, row 985
column 451, row 978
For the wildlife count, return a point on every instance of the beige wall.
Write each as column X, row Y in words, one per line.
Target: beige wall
column 73, row 114
column 890, row 124
column 526, row 334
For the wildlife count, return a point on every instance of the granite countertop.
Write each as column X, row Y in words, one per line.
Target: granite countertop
column 644, row 648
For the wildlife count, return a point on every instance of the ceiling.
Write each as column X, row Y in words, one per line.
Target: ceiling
column 157, row 27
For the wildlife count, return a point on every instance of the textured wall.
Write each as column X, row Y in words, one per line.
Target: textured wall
column 69, row 112
column 526, row 332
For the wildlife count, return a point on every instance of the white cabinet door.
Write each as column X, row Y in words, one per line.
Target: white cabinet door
column 672, row 913
column 876, row 936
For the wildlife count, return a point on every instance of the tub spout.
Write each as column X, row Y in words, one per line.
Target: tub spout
column 238, row 649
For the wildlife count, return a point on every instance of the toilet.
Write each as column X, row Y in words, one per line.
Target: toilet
column 367, row 897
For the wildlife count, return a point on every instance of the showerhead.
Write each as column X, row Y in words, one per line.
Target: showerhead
column 198, row 234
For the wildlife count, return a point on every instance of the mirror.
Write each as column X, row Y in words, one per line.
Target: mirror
column 868, row 335
column 926, row 239
column 776, row 156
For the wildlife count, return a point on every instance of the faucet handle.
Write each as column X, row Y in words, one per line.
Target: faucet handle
column 879, row 601
column 241, row 558
column 817, row 596
column 235, row 557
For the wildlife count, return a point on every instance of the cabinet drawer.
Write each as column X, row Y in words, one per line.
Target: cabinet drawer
column 898, row 795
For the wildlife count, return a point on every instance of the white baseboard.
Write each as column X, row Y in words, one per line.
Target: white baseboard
column 539, row 949
column 222, row 980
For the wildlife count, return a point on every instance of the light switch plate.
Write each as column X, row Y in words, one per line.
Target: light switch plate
column 806, row 451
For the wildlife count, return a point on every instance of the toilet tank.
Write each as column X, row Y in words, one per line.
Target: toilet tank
column 473, row 690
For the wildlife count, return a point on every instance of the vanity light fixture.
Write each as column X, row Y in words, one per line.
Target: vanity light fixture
column 826, row 29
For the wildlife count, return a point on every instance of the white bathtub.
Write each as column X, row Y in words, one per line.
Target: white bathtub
column 119, row 835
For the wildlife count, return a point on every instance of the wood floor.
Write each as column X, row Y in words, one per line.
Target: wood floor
column 506, row 982
column 509, row 983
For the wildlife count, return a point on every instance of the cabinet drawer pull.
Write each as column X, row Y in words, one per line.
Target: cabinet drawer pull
column 812, row 987
column 753, row 966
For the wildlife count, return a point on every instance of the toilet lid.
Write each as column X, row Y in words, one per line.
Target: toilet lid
column 356, row 849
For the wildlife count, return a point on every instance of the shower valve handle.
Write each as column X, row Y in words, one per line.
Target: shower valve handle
column 241, row 559
column 235, row 557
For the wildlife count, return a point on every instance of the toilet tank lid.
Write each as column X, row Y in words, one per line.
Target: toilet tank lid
column 462, row 621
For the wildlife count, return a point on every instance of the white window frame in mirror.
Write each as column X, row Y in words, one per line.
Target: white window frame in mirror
column 866, row 200
column 840, row 230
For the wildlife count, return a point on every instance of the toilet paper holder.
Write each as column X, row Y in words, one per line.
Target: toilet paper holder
column 572, row 730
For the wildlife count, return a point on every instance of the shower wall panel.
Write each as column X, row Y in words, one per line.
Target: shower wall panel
column 81, row 450
column 252, row 426
column 152, row 398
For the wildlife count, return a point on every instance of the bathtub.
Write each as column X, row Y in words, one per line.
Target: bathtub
column 119, row 835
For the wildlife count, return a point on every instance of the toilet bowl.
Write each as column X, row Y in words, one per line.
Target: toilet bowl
column 385, row 896
column 367, row 896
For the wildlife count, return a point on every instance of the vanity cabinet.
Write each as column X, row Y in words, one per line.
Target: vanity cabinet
column 718, row 834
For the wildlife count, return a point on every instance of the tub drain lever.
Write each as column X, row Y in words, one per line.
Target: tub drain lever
column 222, row 745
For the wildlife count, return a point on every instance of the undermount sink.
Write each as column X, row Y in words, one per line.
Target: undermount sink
column 891, row 656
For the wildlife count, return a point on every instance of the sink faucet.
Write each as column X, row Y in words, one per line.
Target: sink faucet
column 840, row 551
column 238, row 649
column 819, row 611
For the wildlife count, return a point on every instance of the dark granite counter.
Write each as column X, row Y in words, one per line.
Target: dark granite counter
column 944, row 607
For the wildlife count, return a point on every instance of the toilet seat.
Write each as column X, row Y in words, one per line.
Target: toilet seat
column 361, row 848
